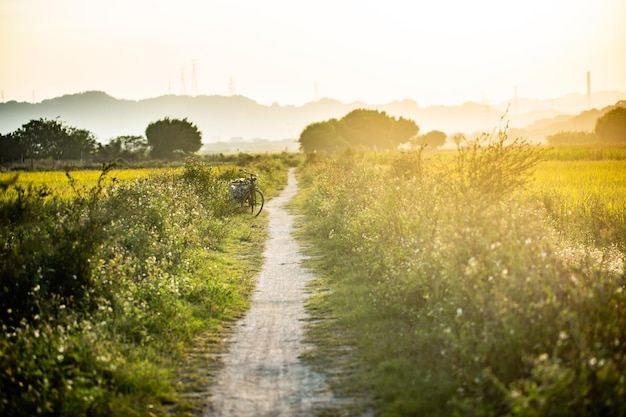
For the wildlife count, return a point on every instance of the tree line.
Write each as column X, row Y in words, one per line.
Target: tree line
column 610, row 129
column 367, row 129
column 375, row 130
column 42, row 139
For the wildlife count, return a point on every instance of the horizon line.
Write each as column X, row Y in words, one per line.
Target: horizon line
column 490, row 103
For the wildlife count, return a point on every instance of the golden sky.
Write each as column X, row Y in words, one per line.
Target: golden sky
column 293, row 51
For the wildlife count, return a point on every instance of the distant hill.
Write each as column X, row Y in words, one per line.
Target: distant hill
column 584, row 121
column 228, row 119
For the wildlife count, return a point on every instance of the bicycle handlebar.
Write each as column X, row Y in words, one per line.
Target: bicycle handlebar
column 248, row 173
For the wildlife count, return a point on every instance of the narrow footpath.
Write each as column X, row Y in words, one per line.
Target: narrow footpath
column 262, row 374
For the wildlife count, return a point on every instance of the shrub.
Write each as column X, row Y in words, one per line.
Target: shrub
column 469, row 303
column 103, row 291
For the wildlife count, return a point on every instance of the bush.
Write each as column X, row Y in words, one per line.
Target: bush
column 102, row 292
column 468, row 302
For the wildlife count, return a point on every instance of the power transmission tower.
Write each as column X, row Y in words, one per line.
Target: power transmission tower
column 194, row 81
column 183, row 90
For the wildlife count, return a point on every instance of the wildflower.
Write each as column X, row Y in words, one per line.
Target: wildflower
column 459, row 312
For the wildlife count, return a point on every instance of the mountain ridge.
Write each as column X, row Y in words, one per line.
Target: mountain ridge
column 236, row 118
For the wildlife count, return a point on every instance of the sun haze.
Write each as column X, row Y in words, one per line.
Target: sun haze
column 434, row 52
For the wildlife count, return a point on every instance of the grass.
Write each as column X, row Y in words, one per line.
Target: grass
column 586, row 199
column 112, row 295
column 440, row 297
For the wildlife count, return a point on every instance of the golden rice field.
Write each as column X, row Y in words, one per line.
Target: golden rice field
column 583, row 183
column 58, row 183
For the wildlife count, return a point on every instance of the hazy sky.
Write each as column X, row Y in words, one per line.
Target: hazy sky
column 292, row 51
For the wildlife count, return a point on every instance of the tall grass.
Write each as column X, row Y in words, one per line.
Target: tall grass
column 103, row 292
column 456, row 292
column 586, row 200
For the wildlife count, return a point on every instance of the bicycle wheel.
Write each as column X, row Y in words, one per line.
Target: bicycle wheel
column 256, row 200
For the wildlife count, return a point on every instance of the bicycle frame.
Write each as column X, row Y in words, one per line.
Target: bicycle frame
column 246, row 191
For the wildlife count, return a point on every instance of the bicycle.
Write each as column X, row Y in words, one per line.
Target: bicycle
column 246, row 192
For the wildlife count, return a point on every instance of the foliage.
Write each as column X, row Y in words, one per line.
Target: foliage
column 434, row 139
column 611, row 127
column 453, row 291
column 166, row 136
column 43, row 138
column 571, row 138
column 103, row 292
column 56, row 267
column 131, row 148
column 322, row 137
column 361, row 128
column 493, row 165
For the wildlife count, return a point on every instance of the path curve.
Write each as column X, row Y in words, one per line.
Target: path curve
column 262, row 373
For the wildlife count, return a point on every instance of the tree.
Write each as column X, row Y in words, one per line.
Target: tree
column 612, row 126
column 373, row 129
column 80, row 144
column 404, row 130
column 566, row 138
column 169, row 135
column 10, row 148
column 132, row 148
column 44, row 138
column 321, row 137
column 367, row 128
column 434, row 138
column 457, row 138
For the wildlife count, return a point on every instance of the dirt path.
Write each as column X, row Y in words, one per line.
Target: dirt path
column 262, row 374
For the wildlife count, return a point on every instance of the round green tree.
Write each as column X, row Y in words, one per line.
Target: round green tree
column 434, row 139
column 167, row 136
column 321, row 137
column 374, row 129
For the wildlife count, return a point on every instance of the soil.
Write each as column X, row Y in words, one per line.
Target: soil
column 262, row 374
